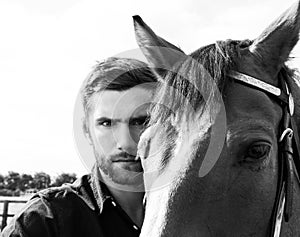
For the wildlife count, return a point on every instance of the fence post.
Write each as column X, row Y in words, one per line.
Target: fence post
column 4, row 216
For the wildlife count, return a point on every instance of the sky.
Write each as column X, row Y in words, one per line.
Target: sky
column 47, row 48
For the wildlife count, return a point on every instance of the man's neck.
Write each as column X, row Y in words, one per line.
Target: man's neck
column 131, row 203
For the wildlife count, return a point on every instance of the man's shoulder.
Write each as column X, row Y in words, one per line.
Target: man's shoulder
column 66, row 195
column 48, row 197
column 62, row 192
column 55, row 209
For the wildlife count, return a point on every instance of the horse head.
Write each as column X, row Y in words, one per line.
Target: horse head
column 211, row 151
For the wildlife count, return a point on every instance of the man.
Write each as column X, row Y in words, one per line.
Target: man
column 109, row 201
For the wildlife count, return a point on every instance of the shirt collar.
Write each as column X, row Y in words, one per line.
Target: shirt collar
column 92, row 191
column 100, row 191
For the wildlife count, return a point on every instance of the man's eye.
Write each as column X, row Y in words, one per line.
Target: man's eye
column 142, row 121
column 104, row 123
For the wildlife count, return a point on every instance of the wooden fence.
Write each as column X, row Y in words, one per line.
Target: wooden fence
column 5, row 213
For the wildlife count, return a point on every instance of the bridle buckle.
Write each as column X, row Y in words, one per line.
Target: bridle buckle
column 287, row 132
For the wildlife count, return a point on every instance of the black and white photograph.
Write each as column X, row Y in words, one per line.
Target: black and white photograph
column 150, row 118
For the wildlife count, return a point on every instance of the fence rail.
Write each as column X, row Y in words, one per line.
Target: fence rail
column 5, row 213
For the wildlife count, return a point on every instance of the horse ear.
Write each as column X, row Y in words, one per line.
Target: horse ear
column 160, row 53
column 277, row 41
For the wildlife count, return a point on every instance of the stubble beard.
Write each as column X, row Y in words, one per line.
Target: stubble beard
column 110, row 172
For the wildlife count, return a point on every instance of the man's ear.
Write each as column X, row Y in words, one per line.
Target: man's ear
column 86, row 131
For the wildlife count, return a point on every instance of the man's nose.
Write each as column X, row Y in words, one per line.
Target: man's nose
column 126, row 140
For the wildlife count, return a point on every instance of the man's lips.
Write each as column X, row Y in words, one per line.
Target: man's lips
column 126, row 161
column 124, row 158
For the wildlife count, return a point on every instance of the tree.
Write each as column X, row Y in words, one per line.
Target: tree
column 2, row 184
column 64, row 178
column 12, row 180
column 41, row 180
column 26, row 182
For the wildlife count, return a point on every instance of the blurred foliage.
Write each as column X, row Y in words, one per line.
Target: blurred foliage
column 14, row 183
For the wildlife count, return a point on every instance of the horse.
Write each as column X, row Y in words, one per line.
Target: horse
column 221, row 150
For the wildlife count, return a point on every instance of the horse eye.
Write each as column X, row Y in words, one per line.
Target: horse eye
column 257, row 151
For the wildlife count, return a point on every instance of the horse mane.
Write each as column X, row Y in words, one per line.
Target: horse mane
column 181, row 96
column 292, row 77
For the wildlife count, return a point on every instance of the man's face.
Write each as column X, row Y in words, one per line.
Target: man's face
column 116, row 120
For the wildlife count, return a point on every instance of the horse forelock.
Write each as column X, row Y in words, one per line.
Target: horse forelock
column 187, row 90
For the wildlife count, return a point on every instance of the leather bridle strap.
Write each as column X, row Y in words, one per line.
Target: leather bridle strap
column 258, row 84
column 286, row 152
column 297, row 146
column 289, row 148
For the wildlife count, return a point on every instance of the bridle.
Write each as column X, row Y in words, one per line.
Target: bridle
column 289, row 148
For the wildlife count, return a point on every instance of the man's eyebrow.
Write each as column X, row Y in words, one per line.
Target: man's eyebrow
column 101, row 119
column 144, row 118
column 116, row 120
column 140, row 117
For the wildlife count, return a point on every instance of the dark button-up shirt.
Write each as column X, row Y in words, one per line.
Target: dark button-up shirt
column 84, row 208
